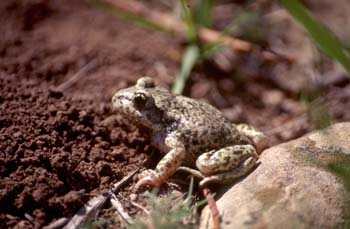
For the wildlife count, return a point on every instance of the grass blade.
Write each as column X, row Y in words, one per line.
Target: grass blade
column 189, row 59
column 203, row 14
column 187, row 201
column 325, row 39
column 189, row 21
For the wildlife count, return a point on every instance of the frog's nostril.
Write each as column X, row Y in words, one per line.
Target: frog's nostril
column 116, row 103
column 117, row 99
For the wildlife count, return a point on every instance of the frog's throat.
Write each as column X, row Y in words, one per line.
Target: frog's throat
column 142, row 123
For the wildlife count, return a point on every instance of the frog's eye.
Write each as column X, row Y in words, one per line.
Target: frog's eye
column 140, row 100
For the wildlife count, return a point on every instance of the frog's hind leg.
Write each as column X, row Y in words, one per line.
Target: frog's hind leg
column 259, row 138
column 230, row 176
column 226, row 164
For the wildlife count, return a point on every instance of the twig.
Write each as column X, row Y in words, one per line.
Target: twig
column 96, row 203
column 133, row 203
column 29, row 217
column 59, row 223
column 76, row 77
column 123, row 182
column 213, row 208
column 119, row 207
column 171, row 24
column 87, row 211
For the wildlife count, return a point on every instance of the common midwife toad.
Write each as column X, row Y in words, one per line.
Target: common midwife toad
column 190, row 133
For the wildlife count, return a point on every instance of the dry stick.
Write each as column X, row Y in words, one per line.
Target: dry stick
column 123, row 182
column 173, row 25
column 96, row 203
column 76, row 77
column 133, row 203
column 213, row 208
column 119, row 207
column 59, row 223
column 29, row 217
column 87, row 211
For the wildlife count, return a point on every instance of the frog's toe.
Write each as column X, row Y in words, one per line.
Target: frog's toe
column 149, row 178
column 208, row 180
column 145, row 173
column 146, row 181
column 262, row 142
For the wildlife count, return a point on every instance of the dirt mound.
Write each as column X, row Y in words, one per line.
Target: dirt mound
column 54, row 154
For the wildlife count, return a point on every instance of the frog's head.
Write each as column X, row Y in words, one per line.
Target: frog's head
column 144, row 103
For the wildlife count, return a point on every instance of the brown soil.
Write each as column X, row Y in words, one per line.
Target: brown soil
column 57, row 150
column 56, row 153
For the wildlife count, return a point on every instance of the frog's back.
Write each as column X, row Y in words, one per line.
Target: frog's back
column 195, row 113
column 203, row 127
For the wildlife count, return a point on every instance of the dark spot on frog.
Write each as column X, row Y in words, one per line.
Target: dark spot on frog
column 237, row 152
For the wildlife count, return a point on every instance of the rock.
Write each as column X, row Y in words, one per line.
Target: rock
column 300, row 184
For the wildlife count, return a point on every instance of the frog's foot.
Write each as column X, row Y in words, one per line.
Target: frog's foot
column 259, row 138
column 145, row 173
column 230, row 176
column 148, row 177
column 165, row 168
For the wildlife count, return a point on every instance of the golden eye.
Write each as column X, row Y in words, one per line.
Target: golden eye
column 140, row 100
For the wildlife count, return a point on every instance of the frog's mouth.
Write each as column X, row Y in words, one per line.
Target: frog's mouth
column 124, row 107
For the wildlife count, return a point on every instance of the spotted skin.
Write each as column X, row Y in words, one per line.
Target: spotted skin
column 190, row 133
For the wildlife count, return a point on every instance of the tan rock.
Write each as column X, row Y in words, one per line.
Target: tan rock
column 295, row 186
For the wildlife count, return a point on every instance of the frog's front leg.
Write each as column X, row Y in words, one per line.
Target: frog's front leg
column 165, row 168
column 226, row 164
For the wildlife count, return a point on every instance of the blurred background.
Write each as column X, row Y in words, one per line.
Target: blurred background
column 282, row 68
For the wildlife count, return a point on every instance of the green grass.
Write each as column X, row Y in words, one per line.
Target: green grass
column 189, row 19
column 192, row 53
column 247, row 21
column 99, row 223
column 170, row 212
column 317, row 108
column 342, row 170
column 195, row 51
column 204, row 12
column 189, row 59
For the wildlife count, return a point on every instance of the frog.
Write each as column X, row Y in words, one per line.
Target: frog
column 193, row 135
